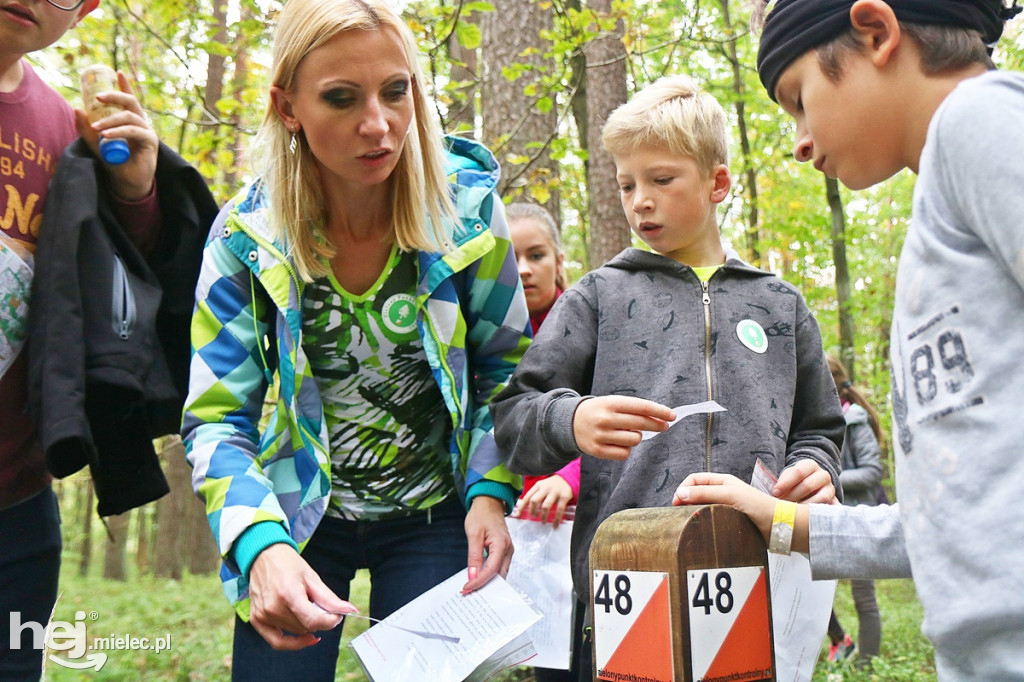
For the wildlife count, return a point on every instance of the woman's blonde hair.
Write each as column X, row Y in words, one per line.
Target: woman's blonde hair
column 672, row 113
column 419, row 189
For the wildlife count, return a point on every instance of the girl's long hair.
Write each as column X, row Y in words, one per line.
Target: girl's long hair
column 851, row 394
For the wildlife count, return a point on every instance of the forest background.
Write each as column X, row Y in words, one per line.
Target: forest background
column 534, row 80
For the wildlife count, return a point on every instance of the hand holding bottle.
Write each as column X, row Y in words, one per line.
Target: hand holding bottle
column 94, row 80
column 112, row 114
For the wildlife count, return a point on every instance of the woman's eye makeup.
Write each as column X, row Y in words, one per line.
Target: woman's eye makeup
column 397, row 90
column 345, row 97
column 338, row 97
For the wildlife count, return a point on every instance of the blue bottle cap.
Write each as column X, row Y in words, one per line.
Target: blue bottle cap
column 114, row 152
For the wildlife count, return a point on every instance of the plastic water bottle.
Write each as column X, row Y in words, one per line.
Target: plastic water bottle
column 94, row 80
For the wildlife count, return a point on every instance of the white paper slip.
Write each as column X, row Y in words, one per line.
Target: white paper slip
column 800, row 605
column 418, row 633
column 540, row 568
column 490, row 625
column 684, row 411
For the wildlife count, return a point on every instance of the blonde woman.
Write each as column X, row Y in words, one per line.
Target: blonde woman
column 367, row 272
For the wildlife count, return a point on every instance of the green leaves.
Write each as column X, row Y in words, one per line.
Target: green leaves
column 469, row 35
column 201, row 72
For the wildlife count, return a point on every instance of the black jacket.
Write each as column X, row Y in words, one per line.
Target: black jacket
column 109, row 329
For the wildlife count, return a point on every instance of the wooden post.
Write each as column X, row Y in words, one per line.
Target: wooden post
column 681, row 594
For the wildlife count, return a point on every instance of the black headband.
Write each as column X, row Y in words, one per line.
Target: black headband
column 795, row 26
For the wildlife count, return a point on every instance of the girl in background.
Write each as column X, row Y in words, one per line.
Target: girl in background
column 860, row 478
column 541, row 262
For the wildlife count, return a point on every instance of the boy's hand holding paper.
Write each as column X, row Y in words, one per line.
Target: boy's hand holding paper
column 607, row 427
column 684, row 411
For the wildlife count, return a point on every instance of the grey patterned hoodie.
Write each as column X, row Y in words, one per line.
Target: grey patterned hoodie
column 643, row 325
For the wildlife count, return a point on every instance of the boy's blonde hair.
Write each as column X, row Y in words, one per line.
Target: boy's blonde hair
column 419, row 187
column 675, row 114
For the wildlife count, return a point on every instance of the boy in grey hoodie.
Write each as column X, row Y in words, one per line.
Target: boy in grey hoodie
column 682, row 325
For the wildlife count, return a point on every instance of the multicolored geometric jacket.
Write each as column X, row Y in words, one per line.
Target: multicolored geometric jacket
column 472, row 318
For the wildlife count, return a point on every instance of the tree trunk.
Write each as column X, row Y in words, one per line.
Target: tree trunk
column 197, row 544
column 215, row 63
column 749, row 174
column 606, row 90
column 578, row 64
column 142, row 540
column 846, row 330
column 238, row 78
column 114, row 556
column 462, row 112
column 58, row 491
column 85, row 548
column 170, row 519
column 513, row 120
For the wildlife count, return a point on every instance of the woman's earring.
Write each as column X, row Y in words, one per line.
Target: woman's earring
column 294, row 143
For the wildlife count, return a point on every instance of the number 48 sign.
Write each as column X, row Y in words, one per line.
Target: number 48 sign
column 632, row 626
column 729, row 631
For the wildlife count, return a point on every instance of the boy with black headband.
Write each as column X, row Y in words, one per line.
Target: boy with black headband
column 875, row 87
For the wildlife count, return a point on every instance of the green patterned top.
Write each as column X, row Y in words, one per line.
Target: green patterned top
column 388, row 426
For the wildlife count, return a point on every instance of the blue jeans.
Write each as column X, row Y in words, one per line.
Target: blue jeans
column 406, row 556
column 29, row 565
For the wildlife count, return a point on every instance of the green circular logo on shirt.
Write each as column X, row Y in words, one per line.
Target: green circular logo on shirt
column 752, row 335
column 399, row 313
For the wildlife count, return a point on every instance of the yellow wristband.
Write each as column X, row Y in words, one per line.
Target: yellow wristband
column 782, row 527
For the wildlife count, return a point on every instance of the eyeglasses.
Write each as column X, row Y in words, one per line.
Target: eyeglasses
column 67, row 5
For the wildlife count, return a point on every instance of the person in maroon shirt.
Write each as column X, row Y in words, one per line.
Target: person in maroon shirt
column 36, row 124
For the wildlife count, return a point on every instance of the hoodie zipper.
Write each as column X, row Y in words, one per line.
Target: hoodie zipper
column 706, row 299
column 122, row 301
column 276, row 253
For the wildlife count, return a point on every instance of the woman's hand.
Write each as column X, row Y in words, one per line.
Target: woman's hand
column 486, row 530
column 547, row 496
column 287, row 596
